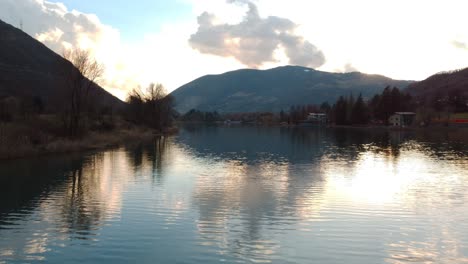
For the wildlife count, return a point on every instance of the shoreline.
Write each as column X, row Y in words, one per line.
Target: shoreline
column 94, row 141
column 91, row 142
column 373, row 127
column 410, row 128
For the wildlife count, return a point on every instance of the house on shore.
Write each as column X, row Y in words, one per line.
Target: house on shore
column 320, row 118
column 402, row 119
column 315, row 119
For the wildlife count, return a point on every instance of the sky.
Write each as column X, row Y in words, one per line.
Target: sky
column 174, row 42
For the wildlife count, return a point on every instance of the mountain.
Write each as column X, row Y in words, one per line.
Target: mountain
column 441, row 86
column 29, row 68
column 275, row 89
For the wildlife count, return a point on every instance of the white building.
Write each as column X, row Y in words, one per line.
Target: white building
column 402, row 119
column 320, row 118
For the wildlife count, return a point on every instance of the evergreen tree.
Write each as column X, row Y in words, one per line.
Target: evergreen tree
column 384, row 108
column 325, row 107
column 374, row 105
column 396, row 100
column 340, row 111
column 360, row 112
column 349, row 108
column 304, row 113
column 283, row 117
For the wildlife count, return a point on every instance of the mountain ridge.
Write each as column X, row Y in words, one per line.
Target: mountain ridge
column 253, row 90
column 30, row 68
column 441, row 84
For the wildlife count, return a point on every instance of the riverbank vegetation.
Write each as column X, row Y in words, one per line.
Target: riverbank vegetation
column 75, row 118
column 41, row 135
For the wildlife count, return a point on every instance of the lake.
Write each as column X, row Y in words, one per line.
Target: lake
column 243, row 195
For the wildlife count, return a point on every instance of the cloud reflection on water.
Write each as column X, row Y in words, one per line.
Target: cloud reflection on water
column 245, row 194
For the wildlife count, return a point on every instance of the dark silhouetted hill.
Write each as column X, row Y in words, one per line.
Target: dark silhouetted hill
column 275, row 89
column 29, row 68
column 440, row 86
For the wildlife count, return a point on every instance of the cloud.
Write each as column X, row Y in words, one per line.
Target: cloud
column 59, row 29
column 243, row 37
column 347, row 68
column 350, row 68
column 157, row 57
column 460, row 45
column 254, row 40
column 53, row 24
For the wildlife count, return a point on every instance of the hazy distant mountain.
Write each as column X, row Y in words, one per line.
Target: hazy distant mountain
column 440, row 86
column 275, row 89
column 29, row 68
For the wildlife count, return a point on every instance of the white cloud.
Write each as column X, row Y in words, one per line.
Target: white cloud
column 460, row 45
column 349, row 68
column 398, row 38
column 59, row 29
column 53, row 23
column 163, row 57
column 254, row 40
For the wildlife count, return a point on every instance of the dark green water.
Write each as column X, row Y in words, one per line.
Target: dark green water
column 242, row 195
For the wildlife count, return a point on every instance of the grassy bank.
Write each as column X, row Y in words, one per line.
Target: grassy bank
column 40, row 136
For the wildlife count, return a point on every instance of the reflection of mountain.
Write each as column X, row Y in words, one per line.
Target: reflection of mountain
column 77, row 177
column 23, row 181
column 255, row 143
column 67, row 197
column 305, row 145
column 262, row 181
column 295, row 145
column 256, row 182
column 246, row 200
column 206, row 195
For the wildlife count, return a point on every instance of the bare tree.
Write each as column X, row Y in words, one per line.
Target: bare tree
column 136, row 103
column 80, row 79
column 160, row 104
column 154, row 94
column 154, row 107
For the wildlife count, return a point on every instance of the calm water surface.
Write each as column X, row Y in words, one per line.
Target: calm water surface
column 242, row 195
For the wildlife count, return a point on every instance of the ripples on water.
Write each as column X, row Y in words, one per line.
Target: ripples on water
column 242, row 195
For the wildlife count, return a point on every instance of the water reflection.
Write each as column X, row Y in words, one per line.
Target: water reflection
column 253, row 205
column 243, row 194
column 368, row 175
column 47, row 202
column 294, row 145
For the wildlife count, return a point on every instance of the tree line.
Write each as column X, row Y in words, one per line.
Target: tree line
column 357, row 111
column 200, row 116
column 349, row 110
column 75, row 109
